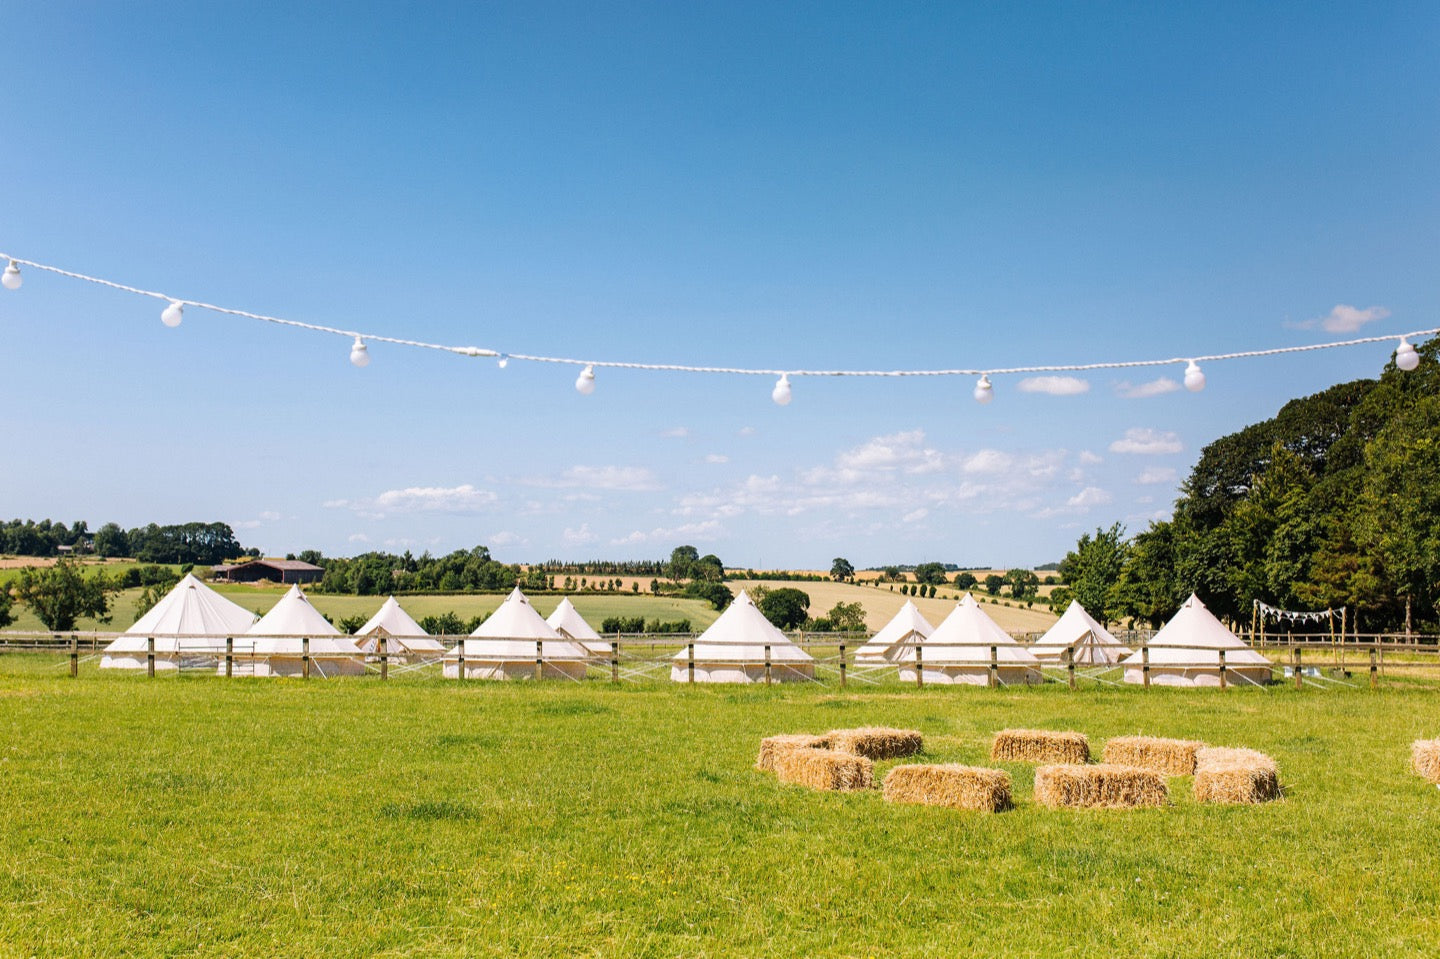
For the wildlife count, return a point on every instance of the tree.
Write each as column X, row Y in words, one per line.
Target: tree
column 59, row 595
column 111, row 540
column 993, row 582
column 708, row 568
column 965, row 581
column 930, row 573
column 682, row 558
column 841, row 571
column 1024, row 584
column 842, row 618
column 1092, row 569
column 787, row 607
column 717, row 595
column 6, row 617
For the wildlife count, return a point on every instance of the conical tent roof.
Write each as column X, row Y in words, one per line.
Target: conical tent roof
column 1077, row 630
column 906, row 626
column 1194, row 637
column 191, row 610
column 740, row 636
column 280, row 631
column 567, row 621
column 509, row 634
column 965, row 637
column 400, row 626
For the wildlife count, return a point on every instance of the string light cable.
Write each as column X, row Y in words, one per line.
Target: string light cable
column 1406, row 357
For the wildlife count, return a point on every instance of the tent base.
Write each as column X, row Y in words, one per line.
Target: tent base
column 1234, row 676
column 974, row 675
column 474, row 669
column 319, row 668
column 742, row 672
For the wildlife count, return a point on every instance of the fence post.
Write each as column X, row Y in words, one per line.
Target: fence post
column 842, row 665
column 150, row 656
column 1069, row 657
column 74, row 656
column 767, row 664
column 690, row 662
column 615, row 660
column 1299, row 679
column 1145, row 664
column 539, row 659
column 384, row 660
column 305, row 657
column 460, row 659
column 1222, row 670
column 1374, row 675
column 994, row 679
column 229, row 656
column 919, row 669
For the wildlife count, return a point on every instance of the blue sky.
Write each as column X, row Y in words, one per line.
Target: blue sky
column 779, row 186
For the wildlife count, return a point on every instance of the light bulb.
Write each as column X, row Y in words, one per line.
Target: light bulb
column 173, row 314
column 585, row 382
column 12, row 278
column 359, row 354
column 781, row 393
column 503, row 361
column 984, row 392
column 1405, row 356
column 1194, row 377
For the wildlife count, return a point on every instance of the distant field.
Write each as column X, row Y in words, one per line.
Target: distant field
column 881, row 603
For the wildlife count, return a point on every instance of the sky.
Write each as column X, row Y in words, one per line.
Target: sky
column 774, row 186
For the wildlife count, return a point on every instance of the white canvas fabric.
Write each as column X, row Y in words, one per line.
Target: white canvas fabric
column 732, row 650
column 189, row 624
column 567, row 621
column 279, row 643
column 1174, row 663
column 403, row 635
column 506, row 644
column 1090, row 643
column 958, row 651
column 906, row 626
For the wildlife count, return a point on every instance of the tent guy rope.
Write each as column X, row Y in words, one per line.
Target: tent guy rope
column 1406, row 358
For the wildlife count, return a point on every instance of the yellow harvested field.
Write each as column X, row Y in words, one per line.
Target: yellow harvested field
column 881, row 604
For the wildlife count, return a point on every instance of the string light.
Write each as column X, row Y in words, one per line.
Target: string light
column 1194, row 377
column 1406, row 357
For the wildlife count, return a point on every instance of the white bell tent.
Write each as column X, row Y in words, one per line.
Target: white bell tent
column 508, row 643
column 189, row 625
column 1186, row 652
column 1090, row 644
column 567, row 621
column 906, row 626
column 733, row 650
column 958, row 651
column 404, row 638
column 283, row 637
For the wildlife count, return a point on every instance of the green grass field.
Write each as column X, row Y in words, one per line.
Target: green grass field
column 198, row 816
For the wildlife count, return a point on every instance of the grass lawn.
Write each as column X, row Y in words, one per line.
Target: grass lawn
column 198, row 816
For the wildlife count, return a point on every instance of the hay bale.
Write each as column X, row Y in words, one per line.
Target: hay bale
column 1040, row 746
column 958, row 787
column 1173, row 757
column 1425, row 757
column 1105, row 786
column 1235, row 776
column 824, row 769
column 771, row 746
column 876, row 742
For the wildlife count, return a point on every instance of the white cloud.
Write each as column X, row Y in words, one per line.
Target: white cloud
column 915, row 515
column 1343, row 318
column 1147, row 442
column 579, row 537
column 421, row 499
column 987, row 461
column 1143, row 391
column 1088, row 458
column 702, row 532
column 676, row 432
column 267, row 516
column 357, row 538
column 905, row 451
column 1088, row 497
column 716, row 458
column 632, row 478
column 505, row 538
column 1157, row 474
column 746, row 431
column 1054, row 385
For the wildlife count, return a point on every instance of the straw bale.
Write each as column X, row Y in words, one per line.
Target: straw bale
column 824, row 769
column 1173, row 757
column 1106, row 786
column 1425, row 757
column 958, row 787
column 1040, row 746
column 876, row 742
column 770, row 746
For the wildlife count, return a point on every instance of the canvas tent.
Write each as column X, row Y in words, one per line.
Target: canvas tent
column 732, row 650
column 283, row 637
column 567, row 621
column 189, row 626
column 508, row 643
column 906, row 626
column 404, row 638
column 1186, row 652
column 1090, row 644
column 958, row 651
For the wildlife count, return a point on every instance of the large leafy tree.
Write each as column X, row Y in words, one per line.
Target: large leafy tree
column 841, row 571
column 1092, row 569
column 59, row 595
column 787, row 608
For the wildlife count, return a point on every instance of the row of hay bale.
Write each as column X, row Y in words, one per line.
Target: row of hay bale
column 841, row 760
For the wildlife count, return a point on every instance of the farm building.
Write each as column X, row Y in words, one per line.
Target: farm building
column 275, row 570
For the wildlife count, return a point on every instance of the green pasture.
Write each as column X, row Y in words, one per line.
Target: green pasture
column 194, row 815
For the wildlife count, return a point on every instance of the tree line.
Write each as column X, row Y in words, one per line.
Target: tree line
column 198, row 543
